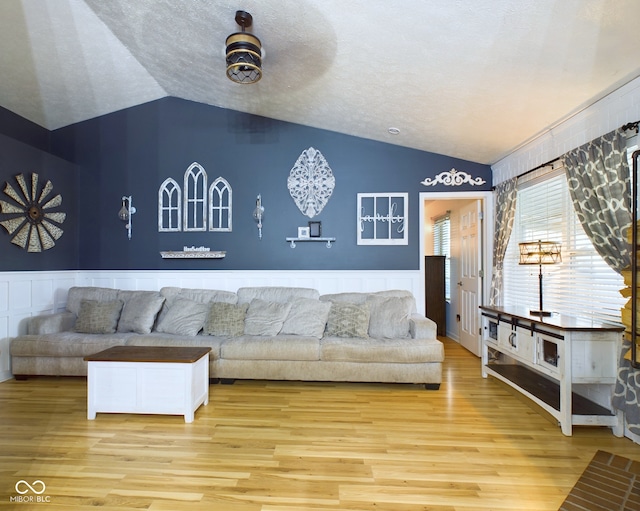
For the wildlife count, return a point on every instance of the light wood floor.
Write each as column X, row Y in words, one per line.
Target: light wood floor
column 291, row 446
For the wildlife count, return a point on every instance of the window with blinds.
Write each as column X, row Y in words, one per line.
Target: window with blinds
column 442, row 247
column 583, row 284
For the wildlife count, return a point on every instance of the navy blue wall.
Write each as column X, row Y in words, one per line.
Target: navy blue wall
column 19, row 128
column 23, row 151
column 133, row 151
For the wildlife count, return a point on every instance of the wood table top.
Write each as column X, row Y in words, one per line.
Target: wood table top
column 559, row 321
column 169, row 354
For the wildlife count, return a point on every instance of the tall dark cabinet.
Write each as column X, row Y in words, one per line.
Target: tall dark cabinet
column 434, row 299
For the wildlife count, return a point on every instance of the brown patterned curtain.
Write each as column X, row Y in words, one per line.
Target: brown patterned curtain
column 600, row 187
column 505, row 210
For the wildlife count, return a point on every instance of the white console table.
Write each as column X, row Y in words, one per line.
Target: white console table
column 561, row 363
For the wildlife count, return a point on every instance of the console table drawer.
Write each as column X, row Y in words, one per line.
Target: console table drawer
column 516, row 341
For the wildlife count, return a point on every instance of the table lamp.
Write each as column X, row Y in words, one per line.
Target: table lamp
column 540, row 252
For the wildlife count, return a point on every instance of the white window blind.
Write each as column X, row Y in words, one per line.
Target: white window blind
column 583, row 284
column 442, row 247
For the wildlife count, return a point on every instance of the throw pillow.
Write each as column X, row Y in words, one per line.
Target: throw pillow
column 139, row 311
column 389, row 317
column 78, row 293
column 348, row 320
column 225, row 319
column 183, row 317
column 307, row 317
column 265, row 318
column 96, row 317
column 349, row 297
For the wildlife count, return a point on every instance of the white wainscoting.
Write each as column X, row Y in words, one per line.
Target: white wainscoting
column 26, row 294
column 325, row 281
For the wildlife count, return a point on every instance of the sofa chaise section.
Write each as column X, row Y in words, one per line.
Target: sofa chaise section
column 58, row 354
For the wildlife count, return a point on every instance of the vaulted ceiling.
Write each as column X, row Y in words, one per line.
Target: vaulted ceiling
column 470, row 79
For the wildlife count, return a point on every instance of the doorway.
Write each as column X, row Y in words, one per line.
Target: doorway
column 471, row 245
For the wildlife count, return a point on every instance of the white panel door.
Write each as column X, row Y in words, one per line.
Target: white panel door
column 470, row 282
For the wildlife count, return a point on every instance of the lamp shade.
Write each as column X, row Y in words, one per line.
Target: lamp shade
column 540, row 252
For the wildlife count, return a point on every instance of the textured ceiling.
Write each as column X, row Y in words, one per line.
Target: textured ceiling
column 467, row 79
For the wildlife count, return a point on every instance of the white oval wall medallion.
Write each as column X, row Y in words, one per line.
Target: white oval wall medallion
column 311, row 182
column 33, row 225
column 453, row 177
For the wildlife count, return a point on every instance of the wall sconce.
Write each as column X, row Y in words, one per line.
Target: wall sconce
column 126, row 211
column 258, row 215
column 540, row 252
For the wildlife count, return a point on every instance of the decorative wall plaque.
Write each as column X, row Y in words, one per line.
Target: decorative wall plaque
column 33, row 223
column 311, row 182
column 453, row 177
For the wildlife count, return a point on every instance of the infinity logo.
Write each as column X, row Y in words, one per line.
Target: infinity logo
column 23, row 483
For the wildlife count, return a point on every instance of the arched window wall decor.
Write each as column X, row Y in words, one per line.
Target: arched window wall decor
column 169, row 206
column 195, row 203
column 194, row 207
column 220, row 206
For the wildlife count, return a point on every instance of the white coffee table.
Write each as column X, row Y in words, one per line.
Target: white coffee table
column 148, row 379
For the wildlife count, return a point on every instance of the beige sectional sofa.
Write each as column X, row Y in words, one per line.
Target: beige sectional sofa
column 275, row 333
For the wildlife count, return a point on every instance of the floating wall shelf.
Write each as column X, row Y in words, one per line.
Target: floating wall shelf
column 294, row 240
column 193, row 254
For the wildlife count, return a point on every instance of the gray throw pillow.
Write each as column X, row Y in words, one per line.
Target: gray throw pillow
column 139, row 311
column 183, row 317
column 96, row 317
column 265, row 318
column 348, row 320
column 307, row 317
column 225, row 319
column 389, row 317
column 78, row 293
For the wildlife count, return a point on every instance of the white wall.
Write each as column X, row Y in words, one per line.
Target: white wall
column 611, row 112
column 26, row 294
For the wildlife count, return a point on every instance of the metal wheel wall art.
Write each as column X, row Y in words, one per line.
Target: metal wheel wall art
column 33, row 223
column 311, row 182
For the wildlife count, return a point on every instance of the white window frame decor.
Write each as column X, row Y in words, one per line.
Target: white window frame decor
column 195, row 198
column 220, row 198
column 169, row 190
column 380, row 222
